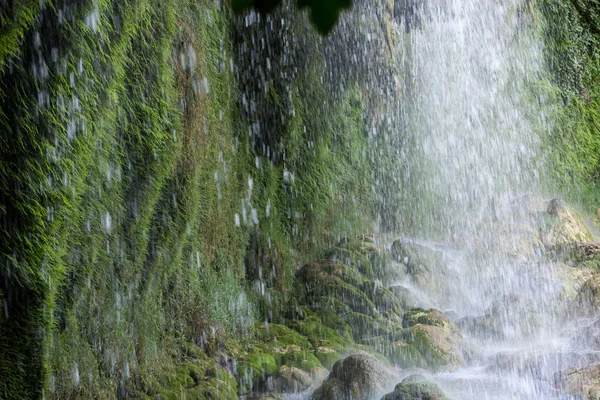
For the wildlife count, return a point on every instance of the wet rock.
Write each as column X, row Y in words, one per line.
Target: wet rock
column 359, row 376
column 398, row 352
column 408, row 298
column 424, row 266
column 345, row 293
column 482, row 326
column 539, row 363
column 562, row 226
column 436, row 338
column 328, row 356
column 589, row 336
column 266, row 396
column 427, row 317
column 588, row 298
column 416, row 387
column 318, row 375
column 581, row 382
column 417, row 258
column 292, row 379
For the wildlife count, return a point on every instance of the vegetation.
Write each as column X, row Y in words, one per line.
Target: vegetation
column 142, row 233
column 572, row 39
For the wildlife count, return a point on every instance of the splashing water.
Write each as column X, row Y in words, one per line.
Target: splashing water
column 473, row 119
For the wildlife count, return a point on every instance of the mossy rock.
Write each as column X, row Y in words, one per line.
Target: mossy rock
column 349, row 295
column 440, row 347
column 382, row 297
column 399, row 353
column 364, row 326
column 276, row 336
column 318, row 333
column 326, row 268
column 561, row 226
column 427, row 317
column 304, row 360
column 328, row 356
column 416, row 387
column 335, row 321
column 356, row 259
column 222, row 385
column 588, row 297
column 415, row 257
column 254, row 369
column 379, row 257
column 260, row 362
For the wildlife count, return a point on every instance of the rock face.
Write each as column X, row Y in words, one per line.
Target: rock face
column 436, row 339
column 416, row 387
column 424, row 266
column 359, row 376
column 588, row 298
column 580, row 382
column 343, row 299
column 408, row 298
column 563, row 226
column 292, row 379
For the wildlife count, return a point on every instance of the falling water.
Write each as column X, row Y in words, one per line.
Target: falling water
column 475, row 119
column 467, row 69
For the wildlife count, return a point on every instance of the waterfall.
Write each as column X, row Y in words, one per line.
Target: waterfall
column 469, row 68
column 474, row 119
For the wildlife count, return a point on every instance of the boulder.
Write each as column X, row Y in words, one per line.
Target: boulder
column 435, row 337
column 359, row 376
column 409, row 298
column 588, row 298
column 292, row 379
column 425, row 267
column 580, row 382
column 561, row 227
column 416, row 387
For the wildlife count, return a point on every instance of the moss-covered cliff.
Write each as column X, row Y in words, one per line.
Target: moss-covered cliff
column 143, row 210
column 571, row 34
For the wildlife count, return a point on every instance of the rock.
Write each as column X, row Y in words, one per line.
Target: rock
column 561, row 227
column 588, row 298
column 425, row 267
column 481, row 326
column 318, row 375
column 589, row 335
column 266, row 396
column 581, row 382
column 328, row 356
column 409, row 298
column 292, row 379
column 416, row 387
column 427, row 317
column 359, row 376
column 346, row 297
column 436, row 338
column 398, row 352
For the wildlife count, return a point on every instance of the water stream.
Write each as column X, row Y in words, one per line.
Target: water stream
column 470, row 101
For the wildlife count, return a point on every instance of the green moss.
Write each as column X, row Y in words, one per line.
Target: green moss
column 425, row 317
column 318, row 333
column 118, row 239
column 280, row 336
column 365, row 326
column 419, row 339
column 334, row 320
column 304, row 360
column 254, row 369
column 399, row 353
column 328, row 356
